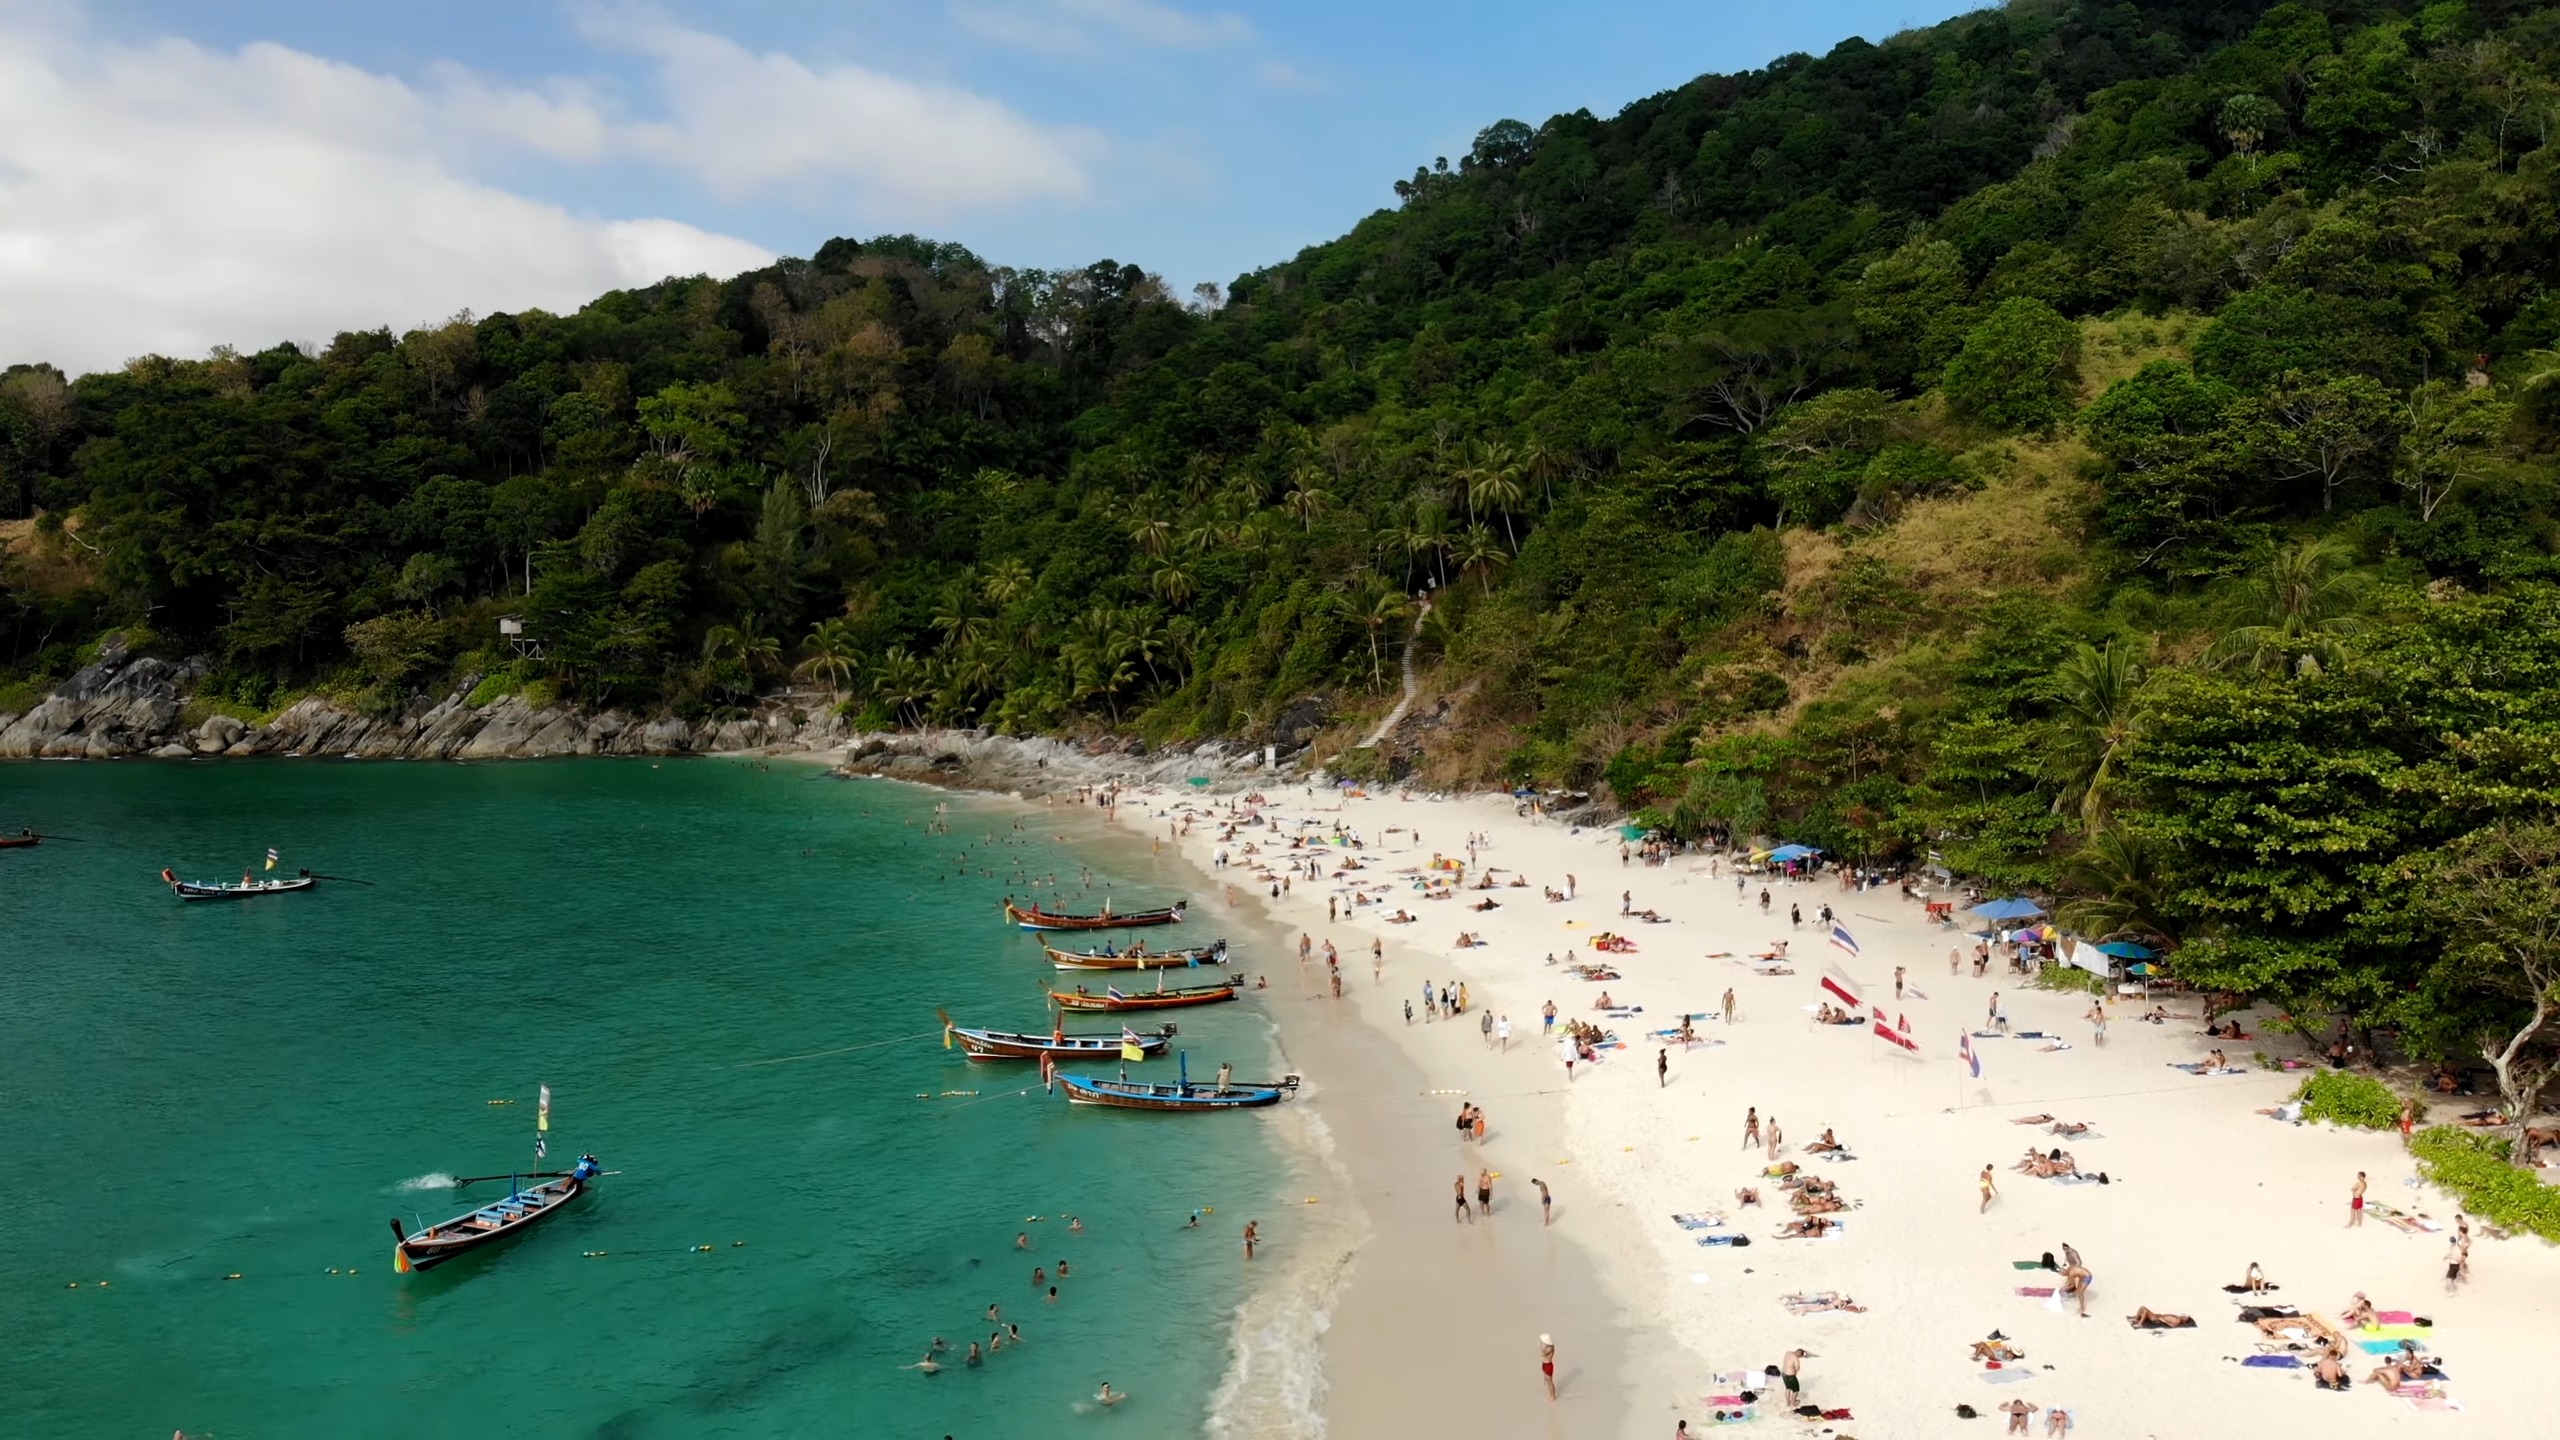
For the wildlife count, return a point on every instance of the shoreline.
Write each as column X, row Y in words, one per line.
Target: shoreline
column 2200, row 1186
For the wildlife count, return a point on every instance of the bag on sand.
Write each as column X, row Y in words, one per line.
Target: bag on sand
column 1967, row 1412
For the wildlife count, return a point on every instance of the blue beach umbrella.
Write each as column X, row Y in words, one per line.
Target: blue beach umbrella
column 2009, row 910
column 1785, row 853
column 2127, row 950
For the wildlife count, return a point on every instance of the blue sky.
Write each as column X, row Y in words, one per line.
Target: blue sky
column 533, row 147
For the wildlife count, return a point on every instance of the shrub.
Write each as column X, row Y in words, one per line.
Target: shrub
column 2473, row 1168
column 492, row 688
column 2340, row 1098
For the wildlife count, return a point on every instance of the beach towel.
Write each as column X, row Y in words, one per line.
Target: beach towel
column 2028, row 1265
column 2038, row 1291
column 2379, row 1347
column 2394, row 1317
column 1698, row 1220
column 2073, row 1179
column 2273, row 1362
column 2029, row 1035
column 2396, row 1332
column 2007, row 1377
column 2430, row 1403
column 1724, row 1239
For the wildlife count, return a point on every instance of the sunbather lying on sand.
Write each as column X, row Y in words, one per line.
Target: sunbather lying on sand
column 2393, row 1374
column 2033, row 1120
column 1809, row 1204
column 1997, row 1348
column 1816, row 1304
column 1804, row 1229
column 2147, row 1318
column 2329, row 1373
column 1824, row 1145
column 2071, row 1127
column 1746, row 1196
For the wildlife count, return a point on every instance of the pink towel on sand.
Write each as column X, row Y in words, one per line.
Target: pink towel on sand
column 2039, row 1291
column 2394, row 1317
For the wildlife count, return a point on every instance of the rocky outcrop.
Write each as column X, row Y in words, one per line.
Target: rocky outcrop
column 130, row 705
column 1041, row 765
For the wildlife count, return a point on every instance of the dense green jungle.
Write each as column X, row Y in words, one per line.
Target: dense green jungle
column 2106, row 448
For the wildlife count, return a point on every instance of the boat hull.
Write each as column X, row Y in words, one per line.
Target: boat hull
column 1011, row 1045
column 190, row 890
column 19, row 842
column 1194, row 1099
column 466, row 1233
column 1214, row 954
column 1145, row 999
column 1035, row 919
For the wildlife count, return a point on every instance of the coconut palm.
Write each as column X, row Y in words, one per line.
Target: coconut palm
column 1493, row 485
column 1176, row 584
column 2094, row 693
column 1385, row 606
column 2116, row 874
column 1429, row 535
column 2295, row 611
column 1007, row 580
column 1153, row 534
column 1480, row 554
column 1306, row 500
column 832, row 655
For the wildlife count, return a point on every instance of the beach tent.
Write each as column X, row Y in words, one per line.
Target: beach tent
column 2008, row 910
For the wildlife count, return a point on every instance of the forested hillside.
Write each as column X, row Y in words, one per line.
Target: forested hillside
column 2107, row 445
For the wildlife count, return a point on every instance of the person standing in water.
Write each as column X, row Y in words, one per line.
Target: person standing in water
column 1252, row 1236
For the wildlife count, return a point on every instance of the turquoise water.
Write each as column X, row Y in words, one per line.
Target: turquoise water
column 190, row 1091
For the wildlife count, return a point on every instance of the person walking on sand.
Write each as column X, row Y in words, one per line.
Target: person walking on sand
column 2098, row 1023
column 1989, row 1190
column 1991, row 1013
column 2355, row 1203
column 1662, row 1067
column 1547, row 1362
column 1795, row 917
column 1564, row 1052
column 1548, row 1012
column 1777, row 1138
column 1728, row 1004
column 1751, row 1127
column 1484, row 1193
column 1546, row 1203
column 1464, row 1213
column 1502, row 1032
column 1955, row 961
column 1484, row 1026
column 1764, row 901
column 1408, row 1013
column 1791, row 1375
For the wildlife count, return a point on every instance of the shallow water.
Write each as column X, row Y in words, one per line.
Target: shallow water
column 193, row 1091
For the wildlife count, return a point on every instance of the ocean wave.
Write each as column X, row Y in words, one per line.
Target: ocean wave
column 1274, row 1383
column 432, row 1180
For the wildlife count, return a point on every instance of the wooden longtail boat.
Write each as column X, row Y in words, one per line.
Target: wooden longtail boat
column 1138, row 957
column 21, row 840
column 1036, row 918
column 490, row 1223
column 1114, row 999
column 1014, row 1045
column 1226, row 1094
column 194, row 890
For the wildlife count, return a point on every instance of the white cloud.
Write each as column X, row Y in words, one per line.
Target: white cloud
column 166, row 197
column 742, row 122
column 1082, row 26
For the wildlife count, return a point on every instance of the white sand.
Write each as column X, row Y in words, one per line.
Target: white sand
column 2202, row 1186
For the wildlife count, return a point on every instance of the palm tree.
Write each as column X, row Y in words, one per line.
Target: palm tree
column 900, row 679
column 1176, row 584
column 1152, row 534
column 1007, row 580
column 2095, row 692
column 1480, row 553
column 1495, row 486
column 2294, row 611
column 744, row 643
column 958, row 619
column 1305, row 500
column 1386, row 606
column 1429, row 534
column 2118, row 876
column 832, row 654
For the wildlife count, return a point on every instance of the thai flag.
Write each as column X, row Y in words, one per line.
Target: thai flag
column 1841, row 937
column 1114, row 992
column 1128, row 1036
column 1964, row 1051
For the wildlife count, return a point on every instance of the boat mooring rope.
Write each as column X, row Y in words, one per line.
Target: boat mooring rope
column 841, row 1050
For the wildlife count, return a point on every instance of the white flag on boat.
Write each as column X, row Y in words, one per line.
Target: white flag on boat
column 542, row 1111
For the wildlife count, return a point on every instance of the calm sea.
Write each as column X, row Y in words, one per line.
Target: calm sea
column 194, row 1092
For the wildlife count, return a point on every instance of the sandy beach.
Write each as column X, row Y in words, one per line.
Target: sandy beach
column 1437, row 1330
